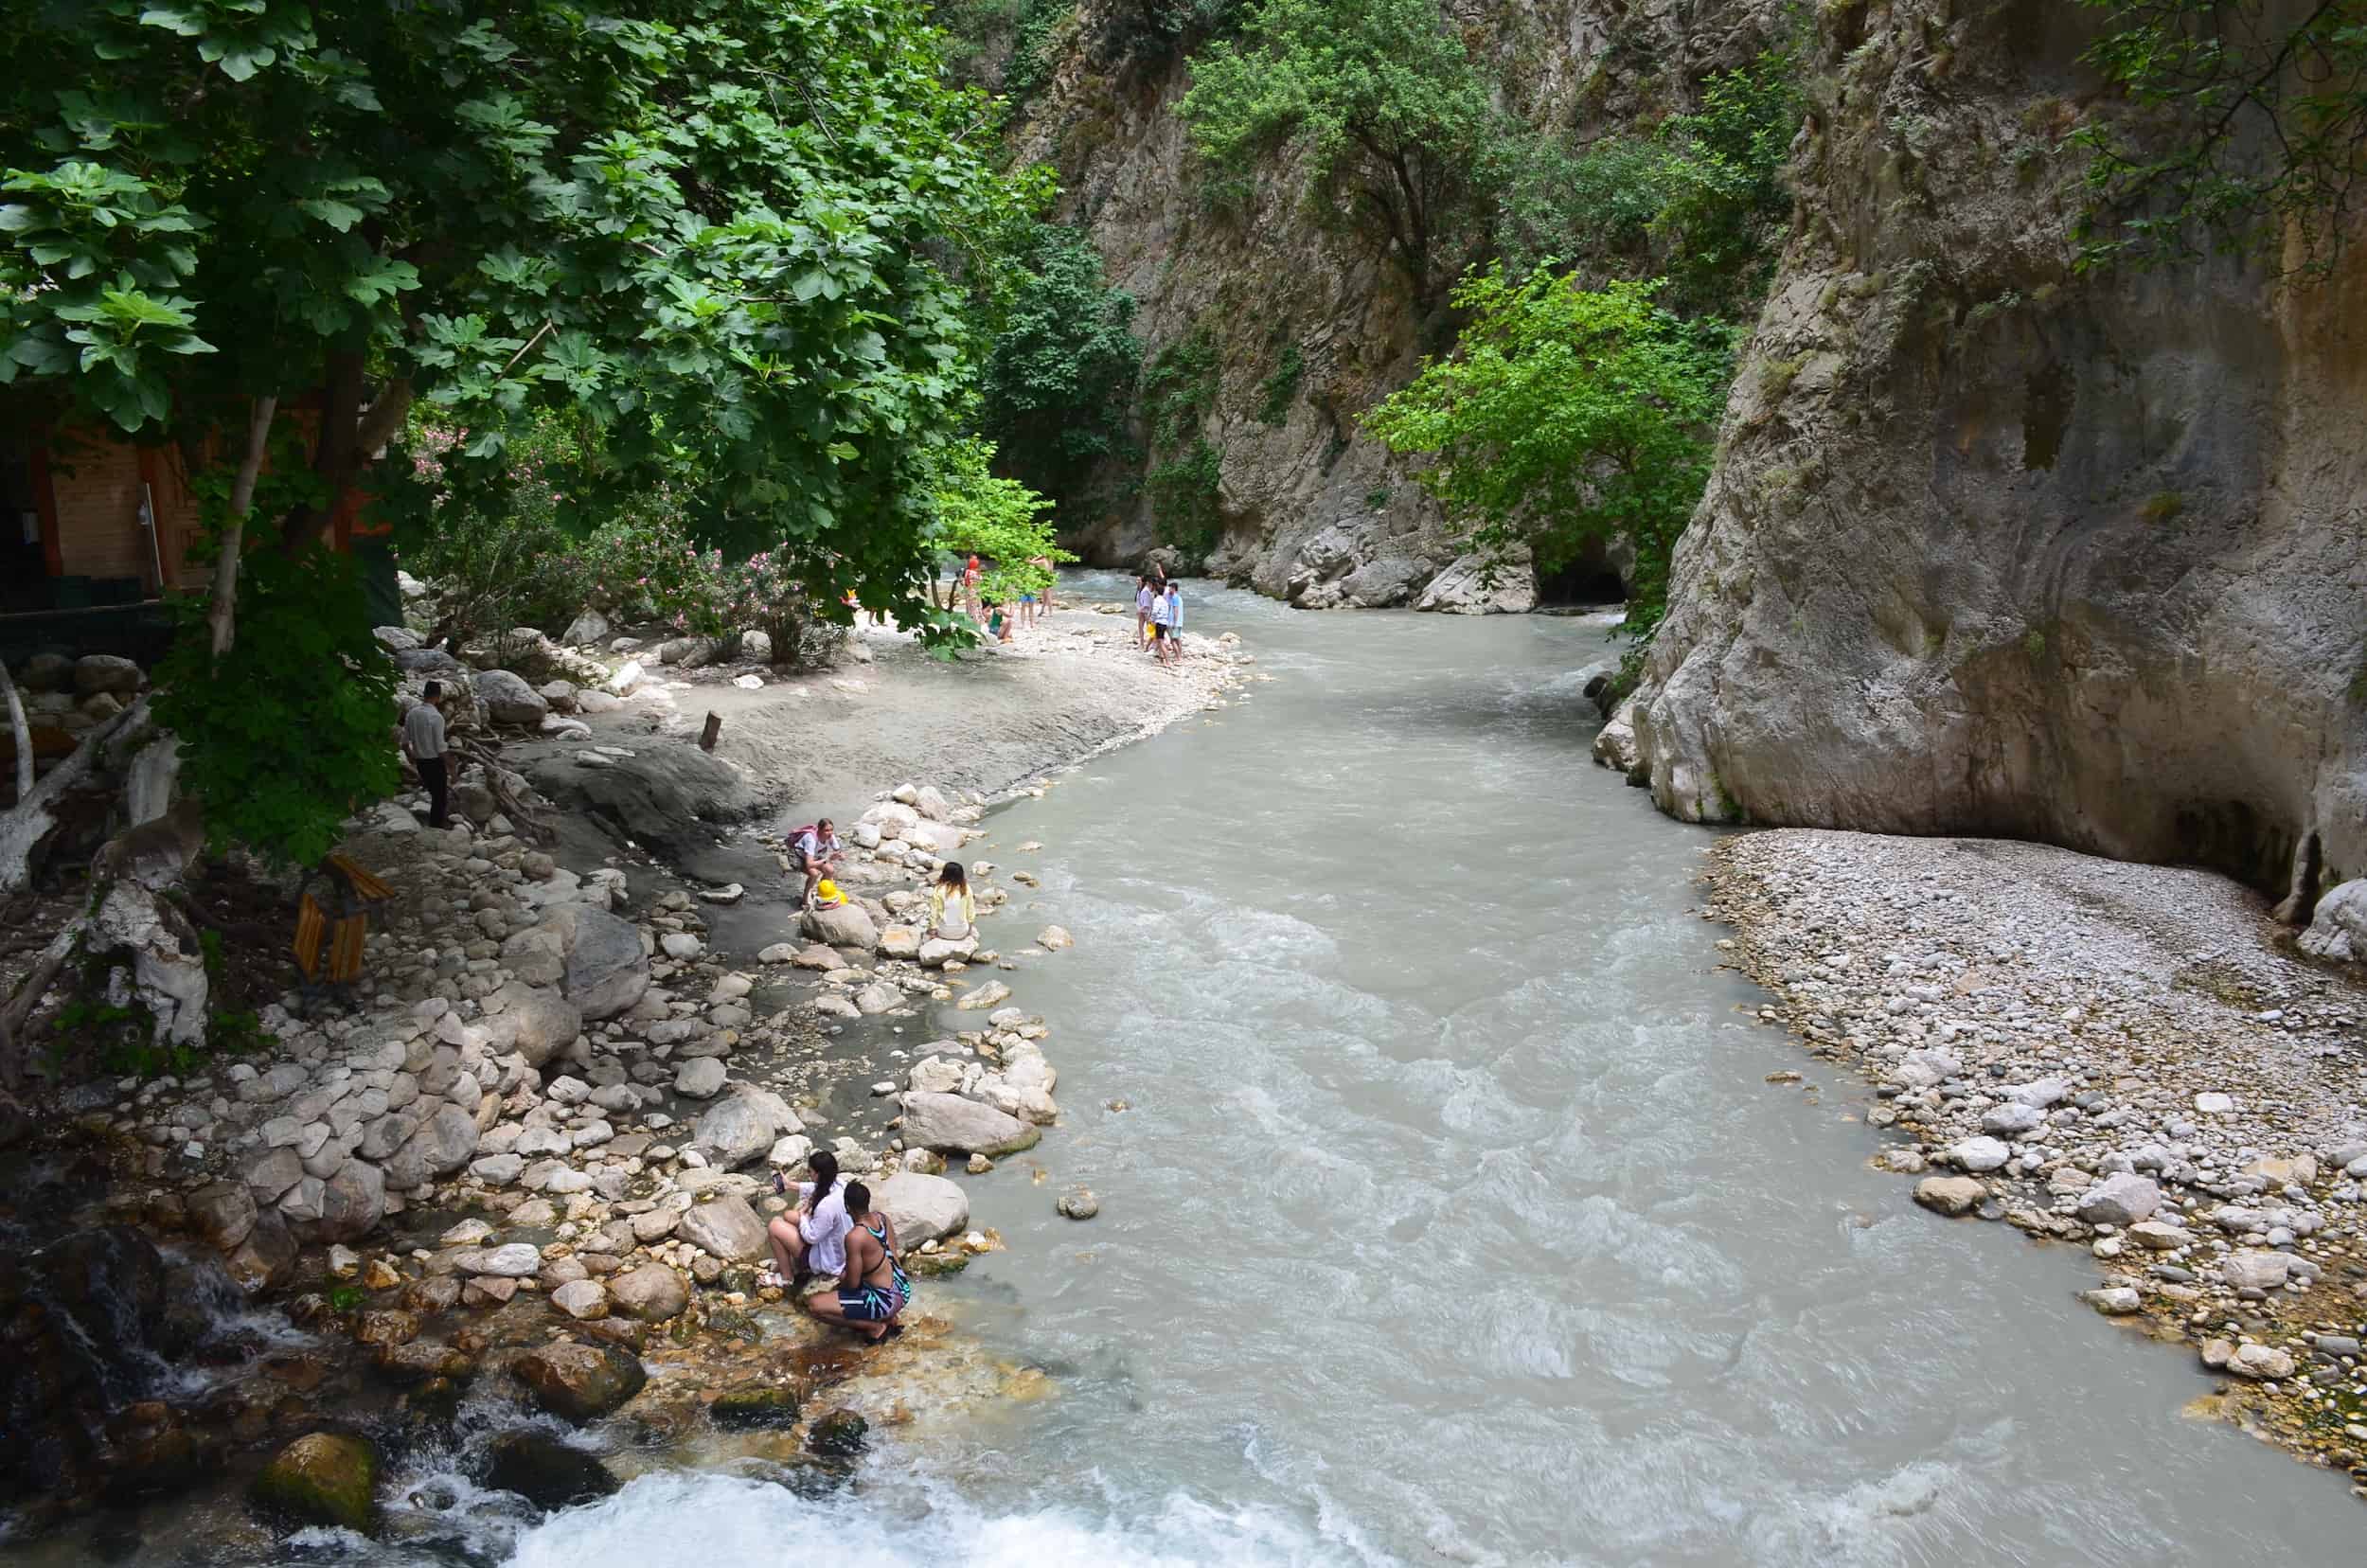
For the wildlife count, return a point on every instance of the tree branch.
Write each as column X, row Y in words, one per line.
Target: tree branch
column 19, row 731
column 223, row 603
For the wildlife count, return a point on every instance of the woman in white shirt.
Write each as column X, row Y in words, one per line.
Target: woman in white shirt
column 951, row 911
column 811, row 1238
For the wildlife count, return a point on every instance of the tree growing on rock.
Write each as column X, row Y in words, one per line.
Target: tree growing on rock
column 1568, row 415
column 1398, row 126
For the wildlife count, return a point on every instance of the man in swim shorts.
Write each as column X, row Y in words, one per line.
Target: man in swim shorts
column 876, row 1289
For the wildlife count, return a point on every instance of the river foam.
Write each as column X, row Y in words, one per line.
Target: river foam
column 689, row 1521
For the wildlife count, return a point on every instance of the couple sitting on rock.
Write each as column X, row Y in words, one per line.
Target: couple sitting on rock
column 834, row 1230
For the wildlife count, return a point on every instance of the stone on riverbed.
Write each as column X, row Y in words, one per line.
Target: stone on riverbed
column 1951, row 1194
column 546, row 1472
column 322, row 1478
column 1980, row 1155
column 923, row 1208
column 515, row 1261
column 726, row 1228
column 581, row 1299
column 952, row 1125
column 2119, row 1199
column 2256, row 1270
column 581, row 1383
column 701, row 1077
column 1053, row 938
column 988, row 995
column 735, row 1131
column 900, row 941
column 846, row 925
column 651, row 1292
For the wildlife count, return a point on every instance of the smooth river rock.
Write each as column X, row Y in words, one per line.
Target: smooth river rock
column 952, row 1125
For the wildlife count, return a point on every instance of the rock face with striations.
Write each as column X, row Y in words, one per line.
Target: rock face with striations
column 1995, row 548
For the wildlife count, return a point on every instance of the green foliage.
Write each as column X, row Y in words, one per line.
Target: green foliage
column 236, row 1031
column 1702, row 200
column 2249, row 134
column 289, row 732
column 1034, row 28
column 1185, row 502
column 1726, row 203
column 1180, row 387
column 1278, row 391
column 120, row 1040
column 1001, row 521
column 1145, row 35
column 736, row 235
column 345, row 1298
column 1565, row 202
column 1055, row 389
column 1397, row 125
column 1568, row 415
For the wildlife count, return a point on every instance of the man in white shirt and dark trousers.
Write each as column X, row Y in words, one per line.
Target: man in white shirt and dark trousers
column 424, row 743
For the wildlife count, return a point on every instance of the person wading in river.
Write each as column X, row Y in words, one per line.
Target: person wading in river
column 875, row 1291
column 811, row 1238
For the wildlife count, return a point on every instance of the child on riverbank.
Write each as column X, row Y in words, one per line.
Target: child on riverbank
column 1142, row 611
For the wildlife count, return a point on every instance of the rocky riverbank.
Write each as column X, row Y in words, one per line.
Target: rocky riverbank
column 2131, row 1058
column 531, row 1165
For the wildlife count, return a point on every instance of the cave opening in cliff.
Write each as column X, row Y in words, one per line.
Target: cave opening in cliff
column 1579, row 583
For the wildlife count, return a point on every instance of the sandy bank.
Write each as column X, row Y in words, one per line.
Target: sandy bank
column 2121, row 1056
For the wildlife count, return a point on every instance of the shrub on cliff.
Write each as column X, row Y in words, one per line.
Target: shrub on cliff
column 1568, row 415
column 1398, row 126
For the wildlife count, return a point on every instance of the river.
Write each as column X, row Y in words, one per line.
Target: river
column 1452, row 1218
column 1451, row 1215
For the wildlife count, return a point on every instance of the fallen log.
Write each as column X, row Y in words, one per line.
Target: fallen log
column 34, row 818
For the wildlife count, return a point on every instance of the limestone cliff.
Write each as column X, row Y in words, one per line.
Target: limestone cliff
column 1313, row 512
column 1992, row 547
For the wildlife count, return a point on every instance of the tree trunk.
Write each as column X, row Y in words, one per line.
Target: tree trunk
column 223, row 605
column 19, row 731
column 23, row 828
column 18, row 1010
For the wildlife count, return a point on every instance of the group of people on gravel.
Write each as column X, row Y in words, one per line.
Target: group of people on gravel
column 1002, row 619
column 1158, row 615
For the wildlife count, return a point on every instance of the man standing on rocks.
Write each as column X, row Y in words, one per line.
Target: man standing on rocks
column 424, row 743
column 816, row 852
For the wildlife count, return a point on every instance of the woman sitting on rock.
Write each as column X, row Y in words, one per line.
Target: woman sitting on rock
column 951, row 911
column 811, row 1238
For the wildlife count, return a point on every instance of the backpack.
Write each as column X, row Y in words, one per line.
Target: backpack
column 797, row 833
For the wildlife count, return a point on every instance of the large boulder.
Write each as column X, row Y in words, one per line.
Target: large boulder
column 2338, row 928
column 736, row 1130
column 223, row 1213
column 444, row 1143
column 651, row 1292
column 581, row 1383
column 322, row 1478
column 590, row 626
column 848, row 925
column 923, row 1208
column 607, row 966
column 2121, row 1199
column 96, row 672
column 535, row 1021
column 507, row 698
column 726, row 1228
column 952, row 1125
column 352, row 1201
column 545, row 1471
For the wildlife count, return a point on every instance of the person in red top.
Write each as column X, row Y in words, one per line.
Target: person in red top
column 969, row 585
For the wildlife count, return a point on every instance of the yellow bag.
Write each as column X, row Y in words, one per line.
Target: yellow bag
column 826, row 891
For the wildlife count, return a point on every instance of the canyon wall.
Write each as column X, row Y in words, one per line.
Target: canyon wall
column 1996, row 548
column 1313, row 510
